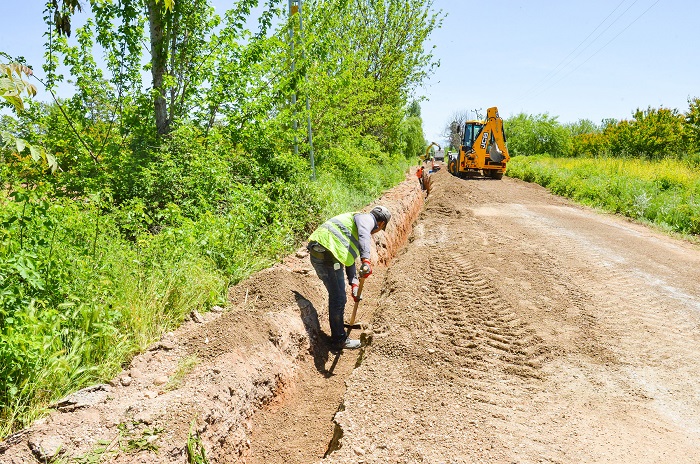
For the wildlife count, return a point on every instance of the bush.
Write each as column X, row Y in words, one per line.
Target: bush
column 533, row 135
column 663, row 192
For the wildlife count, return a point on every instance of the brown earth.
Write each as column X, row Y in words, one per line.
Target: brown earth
column 512, row 327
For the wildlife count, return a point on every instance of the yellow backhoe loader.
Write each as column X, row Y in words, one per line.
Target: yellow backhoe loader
column 482, row 148
column 426, row 157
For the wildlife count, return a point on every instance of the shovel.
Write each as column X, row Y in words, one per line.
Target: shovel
column 349, row 326
column 352, row 325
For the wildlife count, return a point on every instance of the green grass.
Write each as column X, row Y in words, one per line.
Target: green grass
column 665, row 193
column 184, row 367
column 196, row 454
column 79, row 298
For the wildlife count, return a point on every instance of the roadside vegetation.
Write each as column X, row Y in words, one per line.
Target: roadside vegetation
column 125, row 207
column 646, row 168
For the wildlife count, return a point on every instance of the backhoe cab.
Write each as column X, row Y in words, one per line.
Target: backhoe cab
column 482, row 150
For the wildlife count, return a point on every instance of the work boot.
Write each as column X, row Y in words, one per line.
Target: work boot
column 347, row 344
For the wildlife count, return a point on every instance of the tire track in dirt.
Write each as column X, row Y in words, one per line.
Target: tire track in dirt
column 617, row 295
column 648, row 336
column 519, row 328
column 478, row 322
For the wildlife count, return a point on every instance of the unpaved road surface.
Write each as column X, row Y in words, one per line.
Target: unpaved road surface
column 519, row 328
column 511, row 327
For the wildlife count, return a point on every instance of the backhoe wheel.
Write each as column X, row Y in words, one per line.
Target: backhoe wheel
column 493, row 174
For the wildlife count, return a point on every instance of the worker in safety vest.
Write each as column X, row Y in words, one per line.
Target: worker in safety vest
column 333, row 249
column 419, row 175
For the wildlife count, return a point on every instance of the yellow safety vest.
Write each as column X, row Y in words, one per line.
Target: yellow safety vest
column 339, row 236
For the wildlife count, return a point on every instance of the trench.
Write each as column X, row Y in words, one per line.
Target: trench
column 265, row 387
column 297, row 424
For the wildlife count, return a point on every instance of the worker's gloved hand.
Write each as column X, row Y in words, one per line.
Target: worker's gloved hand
column 365, row 268
column 355, row 296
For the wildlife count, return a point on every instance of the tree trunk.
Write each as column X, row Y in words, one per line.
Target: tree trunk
column 158, row 64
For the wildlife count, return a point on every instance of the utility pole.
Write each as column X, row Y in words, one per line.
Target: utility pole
column 295, row 7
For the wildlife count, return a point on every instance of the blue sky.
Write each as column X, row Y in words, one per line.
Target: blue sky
column 571, row 59
column 523, row 57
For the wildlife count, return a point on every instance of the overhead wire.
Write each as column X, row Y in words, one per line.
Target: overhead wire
column 601, row 48
column 552, row 74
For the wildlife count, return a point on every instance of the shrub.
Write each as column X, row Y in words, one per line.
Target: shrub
column 532, row 135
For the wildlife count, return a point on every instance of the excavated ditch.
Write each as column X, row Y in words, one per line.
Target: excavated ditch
column 226, row 377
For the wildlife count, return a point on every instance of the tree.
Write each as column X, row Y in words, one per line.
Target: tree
column 412, row 131
column 413, row 109
column 582, row 126
column 451, row 132
column 363, row 59
column 692, row 126
column 539, row 134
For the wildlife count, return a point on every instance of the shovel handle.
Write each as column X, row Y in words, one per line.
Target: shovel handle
column 357, row 303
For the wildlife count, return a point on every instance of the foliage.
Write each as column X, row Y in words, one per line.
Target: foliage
column 362, row 59
column 412, row 137
column 582, row 126
column 14, row 83
column 590, row 145
column 193, row 174
column 692, row 126
column 653, row 134
column 531, row 135
column 411, row 132
column 196, row 454
column 663, row 192
column 17, row 147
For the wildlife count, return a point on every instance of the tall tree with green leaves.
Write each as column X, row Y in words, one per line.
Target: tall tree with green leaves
column 364, row 60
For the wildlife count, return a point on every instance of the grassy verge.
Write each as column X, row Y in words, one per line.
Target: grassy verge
column 665, row 193
column 79, row 297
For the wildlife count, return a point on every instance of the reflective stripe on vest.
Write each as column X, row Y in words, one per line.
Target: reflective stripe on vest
column 339, row 236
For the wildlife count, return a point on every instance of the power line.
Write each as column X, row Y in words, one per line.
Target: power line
column 529, row 93
column 597, row 51
column 553, row 72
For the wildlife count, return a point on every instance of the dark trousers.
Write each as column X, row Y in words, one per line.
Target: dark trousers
column 334, row 281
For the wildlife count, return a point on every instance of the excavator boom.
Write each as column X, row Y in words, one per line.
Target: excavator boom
column 427, row 151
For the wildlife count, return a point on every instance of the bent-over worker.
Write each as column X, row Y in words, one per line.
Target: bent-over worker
column 419, row 175
column 333, row 248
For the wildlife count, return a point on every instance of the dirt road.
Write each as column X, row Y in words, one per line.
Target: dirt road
column 512, row 327
column 517, row 327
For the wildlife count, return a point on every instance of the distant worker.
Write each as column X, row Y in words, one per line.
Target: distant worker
column 419, row 175
column 335, row 245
